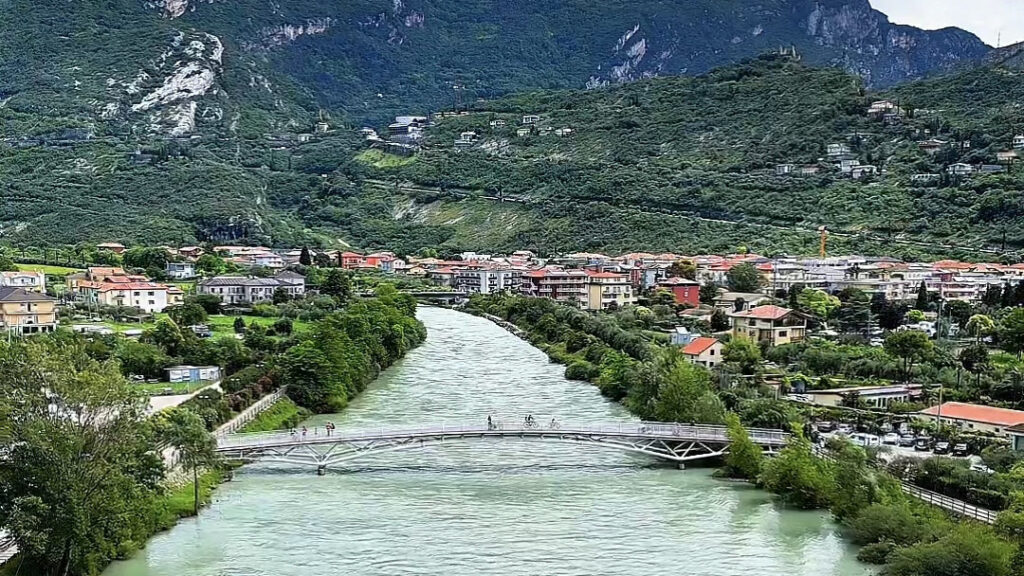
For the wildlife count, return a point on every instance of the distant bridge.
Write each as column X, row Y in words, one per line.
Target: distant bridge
column 677, row 443
column 443, row 295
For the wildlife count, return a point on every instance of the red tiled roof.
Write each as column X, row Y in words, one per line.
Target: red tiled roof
column 699, row 345
column 769, row 312
column 977, row 413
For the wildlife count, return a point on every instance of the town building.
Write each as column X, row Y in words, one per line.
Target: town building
column 180, row 270
column 248, row 290
column 193, row 373
column 960, row 169
column 772, row 324
column 608, row 290
column 25, row 312
column 974, row 417
column 568, row 286
column 704, row 351
column 873, row 396
column 486, row 280
column 114, row 247
column 684, row 291
column 29, row 280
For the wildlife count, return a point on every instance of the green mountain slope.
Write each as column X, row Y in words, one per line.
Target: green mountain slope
column 685, row 164
column 251, row 67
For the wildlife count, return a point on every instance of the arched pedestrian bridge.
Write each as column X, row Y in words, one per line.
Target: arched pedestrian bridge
column 678, row 443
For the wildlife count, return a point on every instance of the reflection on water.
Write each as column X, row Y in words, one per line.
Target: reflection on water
column 495, row 507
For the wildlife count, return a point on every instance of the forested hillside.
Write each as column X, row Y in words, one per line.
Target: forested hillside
column 684, row 164
column 708, row 148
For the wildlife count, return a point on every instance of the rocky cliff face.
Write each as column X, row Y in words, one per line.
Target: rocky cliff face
column 176, row 66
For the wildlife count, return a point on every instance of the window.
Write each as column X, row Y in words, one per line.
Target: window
column 712, row 353
column 783, row 334
column 751, row 322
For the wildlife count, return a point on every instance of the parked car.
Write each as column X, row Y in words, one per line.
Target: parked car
column 960, row 449
column 891, row 438
column 907, row 440
column 922, row 444
column 825, row 426
column 942, row 448
column 845, row 429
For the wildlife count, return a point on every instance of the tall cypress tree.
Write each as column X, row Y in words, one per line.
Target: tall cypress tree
column 304, row 257
column 922, row 297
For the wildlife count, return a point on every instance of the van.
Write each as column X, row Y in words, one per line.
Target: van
column 865, row 440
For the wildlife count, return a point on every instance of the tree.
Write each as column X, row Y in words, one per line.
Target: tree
column 210, row 302
column 210, row 265
column 337, row 283
column 993, row 296
column 187, row 314
column 959, row 311
column 744, row 352
column 681, row 395
column 909, row 346
column 797, row 475
column 975, row 360
column 186, row 432
column 922, row 297
column 744, row 458
column 304, row 258
column 744, row 277
column 283, row 326
column 81, row 469
column 281, row 295
column 915, row 315
column 239, row 325
column 708, row 293
column 1011, row 332
column 683, row 269
column 145, row 258
column 167, row 335
column 719, row 320
column 7, row 264
column 818, row 302
column 980, row 326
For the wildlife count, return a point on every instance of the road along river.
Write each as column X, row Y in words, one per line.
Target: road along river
column 504, row 507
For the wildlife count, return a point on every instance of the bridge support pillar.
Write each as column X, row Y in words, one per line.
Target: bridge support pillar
column 321, row 470
column 681, row 465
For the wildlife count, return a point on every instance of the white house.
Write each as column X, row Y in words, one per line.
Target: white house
column 33, row 281
column 180, row 270
column 705, row 352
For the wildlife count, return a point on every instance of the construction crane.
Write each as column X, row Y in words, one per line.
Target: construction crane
column 824, row 240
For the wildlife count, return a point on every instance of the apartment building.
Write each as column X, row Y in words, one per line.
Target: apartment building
column 569, row 286
column 772, row 324
column 606, row 290
column 31, row 281
column 25, row 312
column 248, row 290
column 486, row 280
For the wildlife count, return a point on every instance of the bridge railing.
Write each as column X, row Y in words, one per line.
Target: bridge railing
column 706, row 433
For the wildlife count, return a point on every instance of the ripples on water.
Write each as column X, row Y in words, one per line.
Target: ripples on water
column 510, row 508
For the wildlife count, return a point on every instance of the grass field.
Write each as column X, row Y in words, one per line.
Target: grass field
column 282, row 415
column 219, row 324
column 157, row 388
column 48, row 269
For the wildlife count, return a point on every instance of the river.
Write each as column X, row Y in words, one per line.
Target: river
column 505, row 507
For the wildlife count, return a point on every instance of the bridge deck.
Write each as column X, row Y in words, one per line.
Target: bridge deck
column 673, row 442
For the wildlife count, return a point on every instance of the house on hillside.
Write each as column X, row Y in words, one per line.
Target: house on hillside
column 863, row 171
column 180, row 270
column 684, row 291
column 27, row 279
column 772, row 324
column 705, row 352
column 837, row 151
column 530, row 119
column 784, row 169
column 114, row 247
column 1008, row 156
column 931, row 145
column 960, row 169
column 1018, row 142
column 24, row 312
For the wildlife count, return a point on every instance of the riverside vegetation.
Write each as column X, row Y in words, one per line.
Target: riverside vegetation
column 654, row 382
column 83, row 481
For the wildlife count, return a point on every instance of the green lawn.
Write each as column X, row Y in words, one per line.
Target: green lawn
column 48, row 269
column 379, row 159
column 157, row 388
column 220, row 324
column 282, row 415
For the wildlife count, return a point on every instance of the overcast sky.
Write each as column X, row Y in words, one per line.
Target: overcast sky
column 986, row 18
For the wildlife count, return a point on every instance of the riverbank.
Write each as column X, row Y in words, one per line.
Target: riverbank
column 652, row 382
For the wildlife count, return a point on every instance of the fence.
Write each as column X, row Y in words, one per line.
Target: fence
column 250, row 413
column 958, row 507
